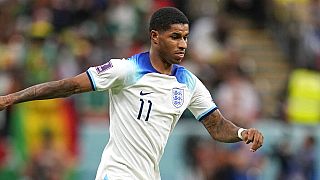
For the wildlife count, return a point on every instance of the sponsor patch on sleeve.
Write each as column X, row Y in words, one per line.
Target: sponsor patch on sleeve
column 104, row 67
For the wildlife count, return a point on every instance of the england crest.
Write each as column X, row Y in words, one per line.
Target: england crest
column 177, row 97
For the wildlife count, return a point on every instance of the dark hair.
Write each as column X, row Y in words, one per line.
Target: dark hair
column 163, row 18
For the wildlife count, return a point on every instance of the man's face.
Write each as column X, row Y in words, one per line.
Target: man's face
column 173, row 43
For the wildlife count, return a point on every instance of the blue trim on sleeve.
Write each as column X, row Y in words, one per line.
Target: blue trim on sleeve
column 93, row 85
column 105, row 178
column 207, row 113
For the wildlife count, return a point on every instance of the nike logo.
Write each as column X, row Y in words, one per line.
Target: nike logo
column 146, row 93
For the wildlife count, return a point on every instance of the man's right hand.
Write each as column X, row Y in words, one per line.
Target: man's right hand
column 4, row 102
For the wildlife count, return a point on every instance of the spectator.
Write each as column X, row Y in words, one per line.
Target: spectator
column 207, row 160
column 285, row 156
column 254, row 10
column 311, row 37
column 210, row 36
column 48, row 163
column 306, row 158
column 238, row 98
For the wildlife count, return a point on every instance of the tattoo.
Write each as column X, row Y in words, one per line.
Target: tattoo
column 220, row 128
column 49, row 90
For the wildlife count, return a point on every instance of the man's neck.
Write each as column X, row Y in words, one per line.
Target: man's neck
column 159, row 64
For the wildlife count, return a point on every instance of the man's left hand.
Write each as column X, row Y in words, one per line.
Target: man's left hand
column 253, row 136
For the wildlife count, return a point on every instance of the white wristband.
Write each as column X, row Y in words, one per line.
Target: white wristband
column 240, row 131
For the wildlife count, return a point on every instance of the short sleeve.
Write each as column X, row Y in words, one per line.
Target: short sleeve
column 109, row 75
column 201, row 104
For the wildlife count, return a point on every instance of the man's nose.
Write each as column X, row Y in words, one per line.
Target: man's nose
column 183, row 44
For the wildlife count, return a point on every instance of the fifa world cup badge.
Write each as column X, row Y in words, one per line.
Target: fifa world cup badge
column 177, row 97
column 104, row 67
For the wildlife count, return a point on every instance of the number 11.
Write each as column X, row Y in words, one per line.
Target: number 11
column 141, row 109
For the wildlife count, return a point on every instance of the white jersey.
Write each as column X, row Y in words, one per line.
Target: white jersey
column 145, row 106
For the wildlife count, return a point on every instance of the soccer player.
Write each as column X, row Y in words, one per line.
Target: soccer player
column 148, row 94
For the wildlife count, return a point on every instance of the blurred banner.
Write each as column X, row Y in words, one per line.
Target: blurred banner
column 304, row 97
column 45, row 129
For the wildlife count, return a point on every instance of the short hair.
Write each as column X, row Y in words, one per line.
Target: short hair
column 163, row 18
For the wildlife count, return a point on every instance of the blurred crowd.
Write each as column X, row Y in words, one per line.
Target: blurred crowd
column 208, row 160
column 43, row 40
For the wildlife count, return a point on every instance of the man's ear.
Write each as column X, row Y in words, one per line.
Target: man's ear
column 154, row 35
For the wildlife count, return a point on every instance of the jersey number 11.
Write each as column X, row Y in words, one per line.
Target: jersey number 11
column 141, row 109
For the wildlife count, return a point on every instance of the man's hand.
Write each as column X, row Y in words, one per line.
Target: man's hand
column 253, row 136
column 4, row 102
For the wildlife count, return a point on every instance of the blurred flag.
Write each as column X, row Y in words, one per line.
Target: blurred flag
column 31, row 121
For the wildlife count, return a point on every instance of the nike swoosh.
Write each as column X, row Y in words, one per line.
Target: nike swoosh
column 142, row 93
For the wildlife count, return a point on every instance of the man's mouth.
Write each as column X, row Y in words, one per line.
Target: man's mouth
column 180, row 54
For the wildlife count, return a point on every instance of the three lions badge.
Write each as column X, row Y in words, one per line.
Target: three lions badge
column 177, row 97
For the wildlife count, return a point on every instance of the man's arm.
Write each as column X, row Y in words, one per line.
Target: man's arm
column 224, row 130
column 48, row 90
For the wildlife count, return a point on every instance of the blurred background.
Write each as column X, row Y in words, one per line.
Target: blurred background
column 260, row 59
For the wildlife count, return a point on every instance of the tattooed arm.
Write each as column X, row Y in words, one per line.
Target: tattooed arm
column 49, row 90
column 224, row 130
column 220, row 128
